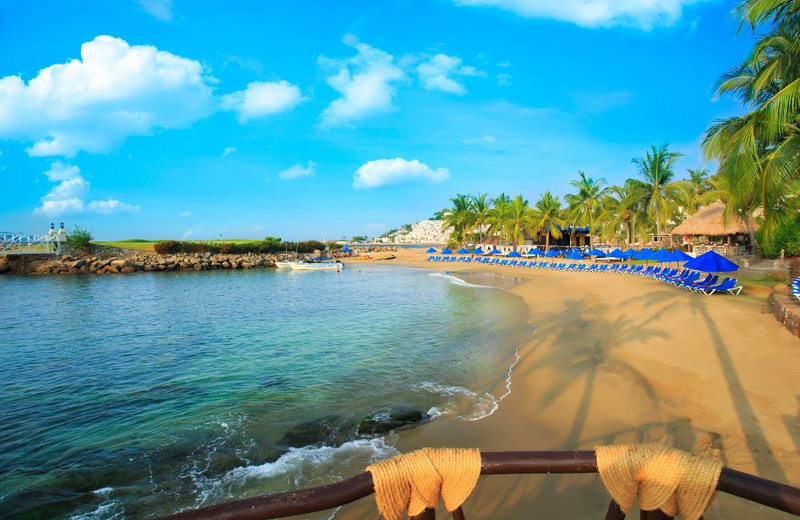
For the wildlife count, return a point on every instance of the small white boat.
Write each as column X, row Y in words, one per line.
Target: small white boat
column 315, row 266
column 282, row 265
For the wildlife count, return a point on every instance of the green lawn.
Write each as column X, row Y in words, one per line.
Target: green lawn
column 141, row 244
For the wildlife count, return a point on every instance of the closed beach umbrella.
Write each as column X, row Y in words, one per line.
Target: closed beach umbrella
column 431, row 250
column 575, row 255
column 495, row 252
column 514, row 254
column 446, row 251
column 551, row 254
column 535, row 252
column 711, row 262
column 346, row 249
column 463, row 251
column 478, row 251
column 596, row 252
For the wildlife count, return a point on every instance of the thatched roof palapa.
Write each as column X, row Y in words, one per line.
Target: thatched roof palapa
column 711, row 220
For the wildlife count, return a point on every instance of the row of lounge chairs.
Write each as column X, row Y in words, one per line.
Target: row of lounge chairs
column 685, row 279
column 794, row 289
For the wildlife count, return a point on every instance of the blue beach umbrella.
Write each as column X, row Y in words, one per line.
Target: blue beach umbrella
column 575, row 255
column 711, row 262
column 551, row 254
column 346, row 249
column 463, row 251
column 431, row 250
column 617, row 253
column 535, row 252
column 446, row 251
column 596, row 252
column 494, row 252
column 662, row 255
column 478, row 251
column 514, row 254
column 628, row 253
column 679, row 256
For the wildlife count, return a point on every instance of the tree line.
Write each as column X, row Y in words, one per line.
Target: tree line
column 758, row 153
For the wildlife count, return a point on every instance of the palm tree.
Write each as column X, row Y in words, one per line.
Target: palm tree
column 663, row 195
column 697, row 185
column 547, row 217
column 622, row 210
column 457, row 218
column 479, row 206
column 518, row 221
column 497, row 217
column 759, row 152
column 584, row 205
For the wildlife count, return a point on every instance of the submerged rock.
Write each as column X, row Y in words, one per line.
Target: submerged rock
column 329, row 431
column 391, row 419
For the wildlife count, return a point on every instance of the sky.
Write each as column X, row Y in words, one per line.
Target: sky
column 314, row 119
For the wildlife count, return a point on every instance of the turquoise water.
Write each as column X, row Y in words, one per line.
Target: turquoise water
column 139, row 395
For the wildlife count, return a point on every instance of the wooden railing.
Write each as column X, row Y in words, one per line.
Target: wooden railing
column 755, row 489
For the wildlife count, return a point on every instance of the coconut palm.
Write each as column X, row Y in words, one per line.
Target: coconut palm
column 547, row 217
column 759, row 152
column 584, row 206
column 497, row 216
column 662, row 194
column 697, row 185
column 622, row 211
column 518, row 221
column 457, row 218
column 479, row 207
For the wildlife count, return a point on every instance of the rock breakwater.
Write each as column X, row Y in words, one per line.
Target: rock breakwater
column 76, row 264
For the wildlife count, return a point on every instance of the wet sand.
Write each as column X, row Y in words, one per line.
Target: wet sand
column 619, row 358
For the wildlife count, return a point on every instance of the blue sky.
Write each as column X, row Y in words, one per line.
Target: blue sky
column 317, row 119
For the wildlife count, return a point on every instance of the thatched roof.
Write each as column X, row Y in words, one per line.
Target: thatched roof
column 711, row 220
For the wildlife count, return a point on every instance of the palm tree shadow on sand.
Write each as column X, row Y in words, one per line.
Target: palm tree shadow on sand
column 765, row 461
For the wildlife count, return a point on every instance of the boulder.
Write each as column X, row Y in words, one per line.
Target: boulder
column 331, row 430
column 128, row 269
column 391, row 419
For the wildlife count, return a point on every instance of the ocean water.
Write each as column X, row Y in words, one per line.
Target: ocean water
column 134, row 396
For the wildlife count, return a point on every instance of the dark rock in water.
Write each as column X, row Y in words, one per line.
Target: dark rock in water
column 391, row 419
column 275, row 382
column 329, row 431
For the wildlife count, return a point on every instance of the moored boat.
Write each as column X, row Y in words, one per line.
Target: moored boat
column 315, row 266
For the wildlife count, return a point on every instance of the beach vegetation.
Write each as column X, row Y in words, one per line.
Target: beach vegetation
column 171, row 247
column 80, row 239
column 585, row 204
column 547, row 217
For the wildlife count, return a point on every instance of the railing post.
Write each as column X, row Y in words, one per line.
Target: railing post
column 614, row 511
column 428, row 514
column 458, row 514
column 654, row 515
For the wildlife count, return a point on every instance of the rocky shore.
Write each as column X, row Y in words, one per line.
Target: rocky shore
column 75, row 264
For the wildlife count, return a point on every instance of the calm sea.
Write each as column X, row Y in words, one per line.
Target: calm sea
column 139, row 395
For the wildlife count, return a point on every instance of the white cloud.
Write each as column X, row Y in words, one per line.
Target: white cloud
column 185, row 214
column 644, row 14
column 364, row 82
column 159, row 9
column 227, row 151
column 94, row 103
column 297, row 171
column 68, row 195
column 393, row 171
column 262, row 98
column 109, row 206
column 503, row 79
column 438, row 73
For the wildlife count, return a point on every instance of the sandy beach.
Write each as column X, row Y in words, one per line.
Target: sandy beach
column 615, row 359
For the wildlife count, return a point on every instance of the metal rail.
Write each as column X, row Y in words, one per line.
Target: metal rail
column 755, row 489
column 25, row 244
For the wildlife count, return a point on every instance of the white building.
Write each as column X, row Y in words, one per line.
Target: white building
column 424, row 232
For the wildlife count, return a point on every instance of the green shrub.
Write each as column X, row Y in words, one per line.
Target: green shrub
column 171, row 247
column 787, row 238
column 80, row 239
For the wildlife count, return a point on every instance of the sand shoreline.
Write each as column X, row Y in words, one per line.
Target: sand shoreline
column 615, row 359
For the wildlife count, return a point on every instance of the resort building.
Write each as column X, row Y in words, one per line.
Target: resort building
column 711, row 229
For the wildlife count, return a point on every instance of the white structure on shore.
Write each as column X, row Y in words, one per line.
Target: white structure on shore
column 424, row 232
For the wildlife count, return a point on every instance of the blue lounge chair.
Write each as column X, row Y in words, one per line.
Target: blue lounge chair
column 727, row 285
